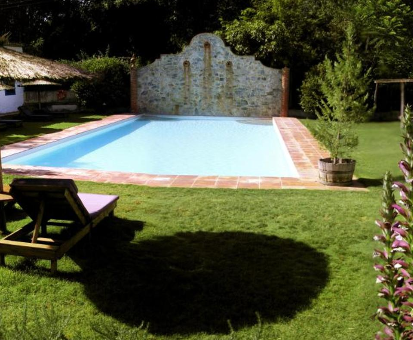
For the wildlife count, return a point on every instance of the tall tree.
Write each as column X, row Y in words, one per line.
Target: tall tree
column 385, row 29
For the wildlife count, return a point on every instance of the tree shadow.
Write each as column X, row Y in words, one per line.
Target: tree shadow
column 193, row 282
column 378, row 182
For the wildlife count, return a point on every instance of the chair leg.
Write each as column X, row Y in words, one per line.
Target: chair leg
column 38, row 223
column 53, row 267
column 2, row 260
column 3, row 228
column 43, row 229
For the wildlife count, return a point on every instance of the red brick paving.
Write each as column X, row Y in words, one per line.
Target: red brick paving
column 303, row 148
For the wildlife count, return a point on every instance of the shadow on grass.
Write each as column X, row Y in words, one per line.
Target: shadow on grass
column 378, row 182
column 194, row 282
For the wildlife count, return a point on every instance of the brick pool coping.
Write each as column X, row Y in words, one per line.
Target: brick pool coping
column 303, row 148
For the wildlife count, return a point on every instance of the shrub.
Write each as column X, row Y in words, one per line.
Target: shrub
column 310, row 93
column 344, row 101
column 109, row 89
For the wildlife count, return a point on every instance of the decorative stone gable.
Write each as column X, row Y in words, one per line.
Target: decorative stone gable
column 207, row 79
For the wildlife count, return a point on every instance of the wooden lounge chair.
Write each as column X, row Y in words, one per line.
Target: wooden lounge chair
column 12, row 122
column 53, row 202
column 29, row 115
column 56, row 113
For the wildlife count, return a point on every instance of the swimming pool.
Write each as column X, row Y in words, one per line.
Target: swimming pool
column 165, row 145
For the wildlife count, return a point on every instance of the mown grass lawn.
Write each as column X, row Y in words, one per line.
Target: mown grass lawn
column 185, row 261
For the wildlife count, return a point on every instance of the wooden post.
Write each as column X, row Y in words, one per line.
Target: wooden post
column 375, row 93
column 285, row 85
column 53, row 266
column 401, row 99
column 133, row 85
column 1, row 176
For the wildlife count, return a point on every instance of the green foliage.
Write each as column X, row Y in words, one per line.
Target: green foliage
column 110, row 88
column 345, row 100
column 385, row 32
column 310, row 90
column 287, row 33
column 123, row 332
column 43, row 324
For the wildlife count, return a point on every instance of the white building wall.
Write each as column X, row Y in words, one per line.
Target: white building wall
column 11, row 103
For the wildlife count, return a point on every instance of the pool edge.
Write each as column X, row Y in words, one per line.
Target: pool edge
column 304, row 151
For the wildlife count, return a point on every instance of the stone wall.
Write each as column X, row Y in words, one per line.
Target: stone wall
column 207, row 79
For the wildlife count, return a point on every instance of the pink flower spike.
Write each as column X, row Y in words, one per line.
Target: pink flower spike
column 382, row 254
column 388, row 331
column 391, row 308
column 379, row 267
column 401, row 186
column 401, row 290
column 384, row 292
column 380, row 238
column 405, row 168
column 404, row 272
column 403, row 196
column 399, row 231
column 400, row 244
column 381, row 279
column 408, row 304
column 399, row 264
column 382, row 225
column 407, row 318
column 383, row 320
column 400, row 210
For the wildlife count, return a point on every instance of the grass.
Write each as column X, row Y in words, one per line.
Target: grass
column 34, row 129
column 214, row 264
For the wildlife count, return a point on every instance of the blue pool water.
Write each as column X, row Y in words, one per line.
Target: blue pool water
column 172, row 146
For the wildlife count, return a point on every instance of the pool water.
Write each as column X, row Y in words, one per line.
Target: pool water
column 163, row 145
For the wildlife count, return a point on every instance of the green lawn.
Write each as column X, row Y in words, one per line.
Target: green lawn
column 185, row 261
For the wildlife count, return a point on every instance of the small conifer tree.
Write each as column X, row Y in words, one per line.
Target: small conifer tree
column 345, row 100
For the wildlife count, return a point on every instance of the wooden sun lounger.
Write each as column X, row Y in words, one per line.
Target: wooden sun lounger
column 31, row 116
column 53, row 202
column 12, row 122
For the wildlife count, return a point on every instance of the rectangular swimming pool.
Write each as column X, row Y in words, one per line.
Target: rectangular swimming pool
column 165, row 145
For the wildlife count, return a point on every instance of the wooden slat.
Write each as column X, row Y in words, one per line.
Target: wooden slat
column 38, row 222
column 26, row 249
column 5, row 198
column 43, row 240
column 104, row 214
column 64, row 248
column 28, row 228
column 393, row 81
column 80, row 212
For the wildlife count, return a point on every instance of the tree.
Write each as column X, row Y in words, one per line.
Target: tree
column 345, row 100
column 288, row 33
column 385, row 31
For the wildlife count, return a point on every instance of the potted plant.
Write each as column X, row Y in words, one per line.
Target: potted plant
column 344, row 103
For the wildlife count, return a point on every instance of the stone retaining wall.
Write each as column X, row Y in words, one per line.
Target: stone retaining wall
column 207, row 79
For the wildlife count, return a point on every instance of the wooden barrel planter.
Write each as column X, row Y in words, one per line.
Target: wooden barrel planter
column 340, row 174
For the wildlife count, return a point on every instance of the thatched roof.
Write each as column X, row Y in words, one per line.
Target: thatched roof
column 6, row 87
column 40, row 82
column 22, row 66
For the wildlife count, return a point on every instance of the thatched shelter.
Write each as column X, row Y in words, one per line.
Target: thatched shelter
column 22, row 66
column 25, row 67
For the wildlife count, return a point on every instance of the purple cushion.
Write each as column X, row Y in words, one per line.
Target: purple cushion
column 96, row 203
